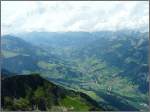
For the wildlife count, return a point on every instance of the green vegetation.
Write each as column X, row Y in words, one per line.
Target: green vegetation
column 74, row 104
column 45, row 65
column 112, row 71
column 8, row 54
column 31, row 92
column 21, row 104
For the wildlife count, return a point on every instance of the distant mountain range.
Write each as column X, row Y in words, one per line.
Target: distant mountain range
column 107, row 66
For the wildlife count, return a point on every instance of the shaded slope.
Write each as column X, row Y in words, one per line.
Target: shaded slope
column 33, row 92
column 22, row 57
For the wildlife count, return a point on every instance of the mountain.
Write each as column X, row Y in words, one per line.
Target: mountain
column 62, row 43
column 32, row 92
column 119, row 50
column 126, row 51
column 22, row 57
column 5, row 73
column 16, row 50
column 107, row 66
column 17, row 45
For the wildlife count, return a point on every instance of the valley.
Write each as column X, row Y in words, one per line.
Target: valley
column 109, row 67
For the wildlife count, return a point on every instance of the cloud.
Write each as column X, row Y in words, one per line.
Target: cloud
column 21, row 16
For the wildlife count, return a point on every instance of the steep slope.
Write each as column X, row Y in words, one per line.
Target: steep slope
column 118, row 51
column 31, row 92
column 22, row 57
column 17, row 45
column 18, row 54
column 124, row 52
column 5, row 73
column 108, row 66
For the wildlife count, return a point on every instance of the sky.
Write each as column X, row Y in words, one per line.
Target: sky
column 59, row 16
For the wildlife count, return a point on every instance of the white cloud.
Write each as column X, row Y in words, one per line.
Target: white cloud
column 20, row 16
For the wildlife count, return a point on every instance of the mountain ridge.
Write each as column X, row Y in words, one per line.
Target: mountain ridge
column 20, row 84
column 91, row 63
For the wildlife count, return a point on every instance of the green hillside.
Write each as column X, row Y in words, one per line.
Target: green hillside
column 31, row 92
column 110, row 67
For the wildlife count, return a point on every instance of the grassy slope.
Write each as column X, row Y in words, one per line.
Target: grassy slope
column 29, row 91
